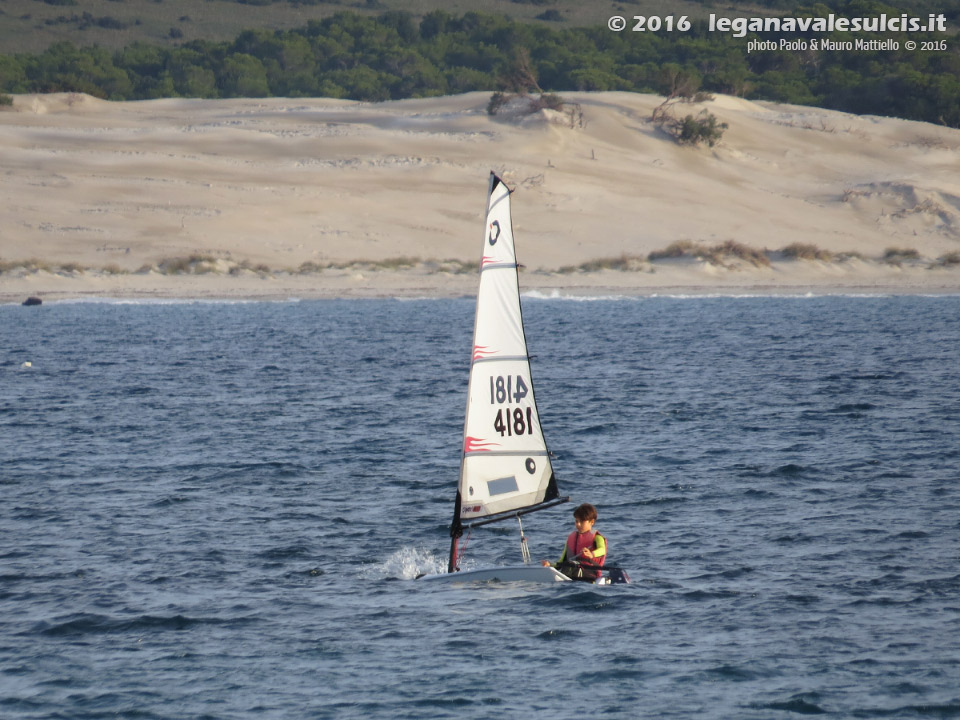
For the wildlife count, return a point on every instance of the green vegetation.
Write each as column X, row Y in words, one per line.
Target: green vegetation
column 806, row 251
column 518, row 80
column 897, row 256
column 674, row 250
column 193, row 265
column 688, row 130
column 703, row 128
column 31, row 265
column 32, row 25
column 402, row 262
column 719, row 254
column 396, row 55
column 722, row 253
column 729, row 255
column 623, row 263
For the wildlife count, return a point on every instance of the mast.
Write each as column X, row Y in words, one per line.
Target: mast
column 505, row 468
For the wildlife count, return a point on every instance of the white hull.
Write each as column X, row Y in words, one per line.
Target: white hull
column 511, row 573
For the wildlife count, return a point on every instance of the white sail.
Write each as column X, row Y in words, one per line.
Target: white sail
column 505, row 465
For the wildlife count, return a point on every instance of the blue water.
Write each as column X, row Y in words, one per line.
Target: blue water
column 217, row 510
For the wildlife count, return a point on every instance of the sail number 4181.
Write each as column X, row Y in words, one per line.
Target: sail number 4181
column 506, row 389
column 515, row 421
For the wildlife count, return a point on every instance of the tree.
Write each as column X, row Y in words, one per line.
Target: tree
column 12, row 76
column 689, row 130
column 243, row 76
column 596, row 80
column 519, row 76
column 190, row 77
column 702, row 128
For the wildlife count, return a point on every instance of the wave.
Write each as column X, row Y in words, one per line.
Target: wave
column 801, row 704
column 648, row 294
column 936, row 710
column 795, row 296
column 702, row 595
column 93, row 624
column 560, row 634
column 164, row 301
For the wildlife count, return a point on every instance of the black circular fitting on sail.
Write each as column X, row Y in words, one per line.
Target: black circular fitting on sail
column 531, row 466
column 494, row 232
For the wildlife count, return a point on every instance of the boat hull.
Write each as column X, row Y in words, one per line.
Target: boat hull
column 509, row 573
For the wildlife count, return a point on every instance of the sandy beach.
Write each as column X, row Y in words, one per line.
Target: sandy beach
column 278, row 198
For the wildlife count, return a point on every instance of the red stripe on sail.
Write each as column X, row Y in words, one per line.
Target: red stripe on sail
column 482, row 351
column 472, row 444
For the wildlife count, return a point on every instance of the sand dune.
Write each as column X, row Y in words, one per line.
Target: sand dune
column 256, row 188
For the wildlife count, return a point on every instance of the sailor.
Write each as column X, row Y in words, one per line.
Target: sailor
column 585, row 550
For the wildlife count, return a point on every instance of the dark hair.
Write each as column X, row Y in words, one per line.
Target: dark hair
column 585, row 512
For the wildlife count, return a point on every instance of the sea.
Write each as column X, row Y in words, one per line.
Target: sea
column 219, row 510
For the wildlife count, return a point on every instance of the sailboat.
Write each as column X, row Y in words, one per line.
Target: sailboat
column 505, row 468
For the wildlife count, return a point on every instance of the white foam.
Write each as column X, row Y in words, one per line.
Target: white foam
column 406, row 564
column 557, row 295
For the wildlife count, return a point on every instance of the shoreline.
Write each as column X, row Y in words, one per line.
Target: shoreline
column 796, row 278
